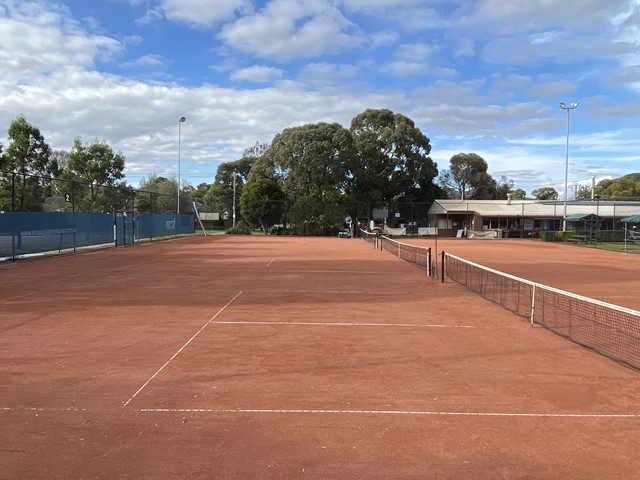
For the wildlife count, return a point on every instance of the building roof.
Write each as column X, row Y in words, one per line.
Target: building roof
column 534, row 208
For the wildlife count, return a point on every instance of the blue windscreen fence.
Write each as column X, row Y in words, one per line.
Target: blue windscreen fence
column 163, row 225
column 27, row 233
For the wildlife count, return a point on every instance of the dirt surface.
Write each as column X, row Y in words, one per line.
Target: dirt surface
column 287, row 358
column 612, row 277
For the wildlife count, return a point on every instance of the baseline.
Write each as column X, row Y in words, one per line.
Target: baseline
column 393, row 412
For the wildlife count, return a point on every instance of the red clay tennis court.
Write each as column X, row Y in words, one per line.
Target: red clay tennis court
column 275, row 357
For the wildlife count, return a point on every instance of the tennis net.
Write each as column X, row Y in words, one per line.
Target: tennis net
column 372, row 238
column 608, row 329
column 411, row 253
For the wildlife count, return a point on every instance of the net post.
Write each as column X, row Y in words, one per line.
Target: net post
column 533, row 303
column 442, row 267
column 429, row 262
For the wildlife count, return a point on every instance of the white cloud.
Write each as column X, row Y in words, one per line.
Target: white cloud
column 537, row 15
column 330, row 76
column 257, row 74
column 383, row 39
column 203, row 13
column 146, row 61
column 414, row 52
column 36, row 41
column 551, row 89
column 401, row 68
column 464, row 48
column 367, row 5
column 288, row 29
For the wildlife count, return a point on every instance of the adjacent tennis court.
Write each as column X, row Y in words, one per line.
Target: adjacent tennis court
column 276, row 357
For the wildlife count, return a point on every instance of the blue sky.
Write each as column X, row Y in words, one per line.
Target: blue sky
column 482, row 76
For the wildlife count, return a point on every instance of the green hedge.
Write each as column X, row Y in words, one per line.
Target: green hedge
column 602, row 235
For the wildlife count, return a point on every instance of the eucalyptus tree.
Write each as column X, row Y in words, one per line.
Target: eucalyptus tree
column 97, row 172
column 392, row 160
column 312, row 158
column 27, row 167
column 230, row 179
column 311, row 163
column 545, row 193
column 262, row 203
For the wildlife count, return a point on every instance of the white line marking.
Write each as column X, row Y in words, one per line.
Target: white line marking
column 181, row 349
column 390, row 412
column 42, row 409
column 345, row 324
column 269, row 264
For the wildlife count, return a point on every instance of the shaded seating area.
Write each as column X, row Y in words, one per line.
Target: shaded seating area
column 631, row 228
column 586, row 226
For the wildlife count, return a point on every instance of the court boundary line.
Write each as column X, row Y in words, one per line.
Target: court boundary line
column 42, row 409
column 181, row 349
column 392, row 412
column 342, row 324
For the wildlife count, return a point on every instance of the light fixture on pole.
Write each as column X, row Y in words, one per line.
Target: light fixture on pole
column 597, row 199
column 568, row 108
column 234, row 200
column 181, row 120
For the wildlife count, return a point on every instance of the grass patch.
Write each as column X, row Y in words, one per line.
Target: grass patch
column 616, row 247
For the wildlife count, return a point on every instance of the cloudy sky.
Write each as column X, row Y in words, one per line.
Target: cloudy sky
column 482, row 76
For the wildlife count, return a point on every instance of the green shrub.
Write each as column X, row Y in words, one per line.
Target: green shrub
column 241, row 228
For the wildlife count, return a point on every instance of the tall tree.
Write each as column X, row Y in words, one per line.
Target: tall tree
column 392, row 159
column 545, row 193
column 626, row 187
column 518, row 194
column 97, row 173
column 467, row 173
column 157, row 195
column 230, row 177
column 95, row 163
column 28, row 160
column 262, row 203
column 312, row 157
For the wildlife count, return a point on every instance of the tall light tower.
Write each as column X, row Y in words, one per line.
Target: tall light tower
column 234, row 199
column 181, row 120
column 568, row 108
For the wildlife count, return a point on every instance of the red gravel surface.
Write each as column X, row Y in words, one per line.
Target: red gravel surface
column 288, row 358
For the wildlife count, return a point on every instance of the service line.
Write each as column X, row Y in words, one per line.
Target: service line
column 344, row 324
column 181, row 349
column 392, row 412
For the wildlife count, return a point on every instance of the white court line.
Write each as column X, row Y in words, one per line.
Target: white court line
column 345, row 324
column 42, row 409
column 181, row 349
column 391, row 412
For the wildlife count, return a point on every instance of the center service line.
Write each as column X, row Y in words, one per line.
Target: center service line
column 181, row 349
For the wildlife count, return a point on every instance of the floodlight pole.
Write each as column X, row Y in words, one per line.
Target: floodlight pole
column 181, row 120
column 568, row 108
column 234, row 199
column 597, row 199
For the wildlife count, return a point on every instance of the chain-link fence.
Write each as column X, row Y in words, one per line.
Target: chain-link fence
column 42, row 214
column 32, row 193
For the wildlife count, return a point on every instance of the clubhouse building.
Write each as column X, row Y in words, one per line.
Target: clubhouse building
column 527, row 218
